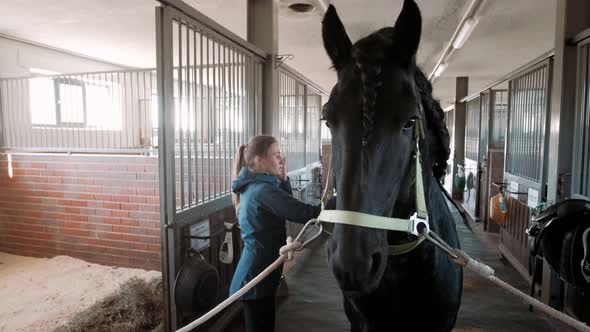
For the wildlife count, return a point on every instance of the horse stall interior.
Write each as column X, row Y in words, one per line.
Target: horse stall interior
column 81, row 173
column 212, row 86
column 472, row 153
column 526, row 157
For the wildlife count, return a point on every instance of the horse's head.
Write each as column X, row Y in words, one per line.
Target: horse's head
column 372, row 113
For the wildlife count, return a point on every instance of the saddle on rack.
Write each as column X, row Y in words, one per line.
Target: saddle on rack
column 561, row 235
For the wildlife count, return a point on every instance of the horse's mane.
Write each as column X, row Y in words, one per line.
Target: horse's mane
column 369, row 55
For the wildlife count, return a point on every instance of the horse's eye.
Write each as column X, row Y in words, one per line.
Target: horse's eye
column 410, row 124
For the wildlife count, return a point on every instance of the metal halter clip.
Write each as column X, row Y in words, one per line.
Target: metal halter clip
column 312, row 222
column 416, row 222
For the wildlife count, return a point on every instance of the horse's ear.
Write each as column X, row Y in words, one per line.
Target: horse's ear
column 336, row 41
column 408, row 29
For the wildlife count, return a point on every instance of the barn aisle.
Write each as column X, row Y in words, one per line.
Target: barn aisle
column 314, row 300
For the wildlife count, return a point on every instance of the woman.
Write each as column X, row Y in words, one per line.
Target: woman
column 262, row 198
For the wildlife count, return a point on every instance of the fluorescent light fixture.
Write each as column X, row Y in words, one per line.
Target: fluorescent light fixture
column 440, row 69
column 465, row 32
column 43, row 71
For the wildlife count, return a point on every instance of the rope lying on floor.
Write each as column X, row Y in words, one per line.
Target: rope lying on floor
column 487, row 272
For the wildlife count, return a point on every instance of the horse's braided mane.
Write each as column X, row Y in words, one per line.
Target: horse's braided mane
column 369, row 54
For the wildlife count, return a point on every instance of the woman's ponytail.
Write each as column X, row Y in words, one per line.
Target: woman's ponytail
column 239, row 162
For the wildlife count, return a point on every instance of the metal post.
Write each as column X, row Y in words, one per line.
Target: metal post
column 168, row 234
column 263, row 31
column 571, row 18
column 461, row 90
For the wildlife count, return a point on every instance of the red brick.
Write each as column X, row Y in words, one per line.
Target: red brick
column 120, row 214
column 137, row 199
column 111, row 205
column 103, row 197
column 129, row 207
column 121, row 229
column 130, row 222
column 76, row 232
column 130, row 237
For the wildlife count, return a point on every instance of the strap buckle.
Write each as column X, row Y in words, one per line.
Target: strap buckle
column 418, row 225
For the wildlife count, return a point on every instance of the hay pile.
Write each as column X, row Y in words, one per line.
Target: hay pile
column 137, row 306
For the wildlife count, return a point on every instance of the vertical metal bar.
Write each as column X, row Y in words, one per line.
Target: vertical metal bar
column 539, row 94
column 586, row 125
column 209, row 119
column 215, row 112
column 581, row 173
column 537, row 162
column 201, row 63
column 3, row 110
column 178, row 106
column 245, row 93
column 527, row 112
column 14, row 111
column 518, row 126
column 164, row 45
column 224, row 114
column 231, row 103
column 189, row 102
column 534, row 129
column 196, row 128
column 146, row 112
column 136, row 124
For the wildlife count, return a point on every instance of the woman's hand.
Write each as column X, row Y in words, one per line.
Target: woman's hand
column 283, row 169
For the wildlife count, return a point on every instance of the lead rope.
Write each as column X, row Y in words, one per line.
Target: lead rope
column 461, row 258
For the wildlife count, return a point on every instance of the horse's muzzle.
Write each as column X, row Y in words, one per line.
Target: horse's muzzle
column 356, row 269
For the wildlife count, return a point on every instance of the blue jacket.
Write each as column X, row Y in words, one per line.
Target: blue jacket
column 264, row 205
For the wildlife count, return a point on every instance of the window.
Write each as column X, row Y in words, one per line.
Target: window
column 42, row 101
column 70, row 102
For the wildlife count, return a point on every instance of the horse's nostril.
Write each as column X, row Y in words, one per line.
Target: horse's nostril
column 376, row 262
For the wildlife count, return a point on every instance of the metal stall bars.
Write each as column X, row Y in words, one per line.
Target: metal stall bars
column 472, row 136
column 581, row 160
column 99, row 112
column 209, row 88
column 482, row 176
column 298, row 131
column 526, row 146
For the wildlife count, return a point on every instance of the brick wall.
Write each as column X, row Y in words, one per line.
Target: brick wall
column 103, row 209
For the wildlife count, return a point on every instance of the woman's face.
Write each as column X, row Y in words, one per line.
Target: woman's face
column 273, row 162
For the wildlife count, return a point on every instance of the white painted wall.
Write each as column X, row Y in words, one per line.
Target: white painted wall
column 17, row 57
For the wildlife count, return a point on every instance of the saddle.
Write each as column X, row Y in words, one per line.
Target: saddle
column 561, row 235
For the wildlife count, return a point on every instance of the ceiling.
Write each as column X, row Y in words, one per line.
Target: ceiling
column 509, row 34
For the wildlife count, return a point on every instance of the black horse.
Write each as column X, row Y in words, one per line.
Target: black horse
column 372, row 113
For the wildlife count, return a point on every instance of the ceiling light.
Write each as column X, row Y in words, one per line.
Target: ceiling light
column 301, row 7
column 466, row 30
column 43, row 71
column 440, row 69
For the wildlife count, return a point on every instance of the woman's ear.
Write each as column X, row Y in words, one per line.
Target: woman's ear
column 257, row 162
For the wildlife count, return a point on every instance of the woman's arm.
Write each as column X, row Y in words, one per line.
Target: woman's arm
column 280, row 203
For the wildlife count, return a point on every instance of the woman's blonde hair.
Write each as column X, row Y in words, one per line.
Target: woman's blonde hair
column 257, row 146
